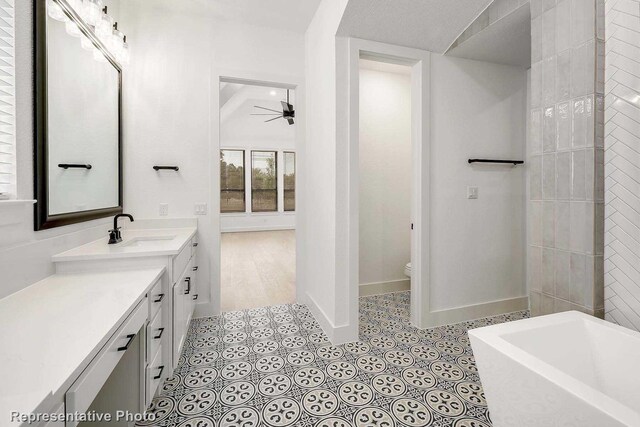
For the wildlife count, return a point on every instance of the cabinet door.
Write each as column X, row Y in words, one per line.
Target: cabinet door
column 178, row 320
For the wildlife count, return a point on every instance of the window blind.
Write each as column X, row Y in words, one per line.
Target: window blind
column 7, row 100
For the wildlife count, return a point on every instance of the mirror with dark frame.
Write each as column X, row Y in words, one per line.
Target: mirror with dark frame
column 78, row 130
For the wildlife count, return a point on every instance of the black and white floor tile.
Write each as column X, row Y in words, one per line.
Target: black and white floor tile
column 274, row 367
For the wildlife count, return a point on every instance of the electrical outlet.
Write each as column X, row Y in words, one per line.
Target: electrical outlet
column 200, row 209
column 472, row 192
column 164, row 209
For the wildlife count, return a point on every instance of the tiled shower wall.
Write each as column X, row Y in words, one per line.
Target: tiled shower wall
column 566, row 157
column 622, row 169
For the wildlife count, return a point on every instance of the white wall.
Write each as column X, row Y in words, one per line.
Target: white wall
column 316, row 216
column 477, row 246
column 240, row 130
column 25, row 255
column 176, row 49
column 385, row 173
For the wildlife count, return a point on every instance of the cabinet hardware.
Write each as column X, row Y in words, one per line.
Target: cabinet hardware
column 195, row 296
column 157, row 377
column 195, row 268
column 157, row 337
column 74, row 166
column 514, row 162
column 126, row 346
column 195, row 244
column 188, row 280
column 160, row 298
column 166, row 168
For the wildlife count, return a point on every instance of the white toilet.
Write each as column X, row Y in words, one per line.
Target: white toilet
column 407, row 270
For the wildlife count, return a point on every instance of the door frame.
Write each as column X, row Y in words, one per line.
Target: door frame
column 220, row 75
column 419, row 61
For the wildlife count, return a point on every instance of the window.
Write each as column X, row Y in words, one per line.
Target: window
column 289, row 181
column 232, row 188
column 264, row 182
column 7, row 107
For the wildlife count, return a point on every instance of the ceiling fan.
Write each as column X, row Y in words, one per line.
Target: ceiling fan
column 288, row 113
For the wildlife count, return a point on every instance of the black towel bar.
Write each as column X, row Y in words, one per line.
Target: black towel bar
column 172, row 168
column 74, row 166
column 514, row 162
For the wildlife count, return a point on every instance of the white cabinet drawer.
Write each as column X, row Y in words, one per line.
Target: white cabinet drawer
column 156, row 298
column 154, row 376
column 155, row 335
column 180, row 262
column 82, row 392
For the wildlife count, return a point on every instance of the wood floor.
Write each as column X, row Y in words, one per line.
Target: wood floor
column 258, row 269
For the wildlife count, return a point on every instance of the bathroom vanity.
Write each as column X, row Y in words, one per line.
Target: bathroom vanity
column 105, row 330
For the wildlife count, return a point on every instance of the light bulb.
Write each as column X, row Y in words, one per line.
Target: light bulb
column 116, row 42
column 104, row 26
column 76, row 5
column 124, row 53
column 55, row 11
column 86, row 43
column 92, row 11
column 72, row 29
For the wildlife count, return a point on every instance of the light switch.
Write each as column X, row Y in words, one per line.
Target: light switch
column 472, row 192
column 164, row 209
column 200, row 209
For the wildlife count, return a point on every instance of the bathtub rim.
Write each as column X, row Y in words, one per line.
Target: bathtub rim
column 492, row 336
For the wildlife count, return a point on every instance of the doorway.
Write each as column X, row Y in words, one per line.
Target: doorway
column 257, row 166
column 415, row 64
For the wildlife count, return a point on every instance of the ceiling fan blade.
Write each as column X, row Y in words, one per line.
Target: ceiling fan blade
column 268, row 109
column 275, row 118
column 286, row 107
column 290, row 120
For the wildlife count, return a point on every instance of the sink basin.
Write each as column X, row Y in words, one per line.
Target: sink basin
column 149, row 241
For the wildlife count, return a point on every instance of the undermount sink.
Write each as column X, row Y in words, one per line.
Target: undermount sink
column 147, row 241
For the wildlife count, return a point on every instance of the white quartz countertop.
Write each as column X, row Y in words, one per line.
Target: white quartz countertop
column 51, row 330
column 135, row 243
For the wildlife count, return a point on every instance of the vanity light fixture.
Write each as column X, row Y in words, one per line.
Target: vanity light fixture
column 104, row 26
column 92, row 11
column 55, row 11
column 72, row 28
column 124, row 53
column 116, row 41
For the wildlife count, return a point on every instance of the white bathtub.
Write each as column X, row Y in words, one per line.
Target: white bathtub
column 566, row 369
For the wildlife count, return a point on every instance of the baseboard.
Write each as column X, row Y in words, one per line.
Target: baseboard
column 476, row 311
column 257, row 228
column 377, row 288
column 336, row 334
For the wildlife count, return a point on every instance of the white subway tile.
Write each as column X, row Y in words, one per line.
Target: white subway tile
column 578, row 70
column 563, row 175
column 578, row 267
column 549, row 176
column 548, row 271
column 549, row 130
column 536, row 84
column 549, row 224
column 535, row 268
column 563, row 275
column 578, row 237
column 535, row 220
column 563, row 75
column 589, row 174
column 563, row 25
column 563, row 225
column 535, row 178
column 549, row 33
column 578, row 167
column 535, row 141
column 549, row 81
column 578, row 124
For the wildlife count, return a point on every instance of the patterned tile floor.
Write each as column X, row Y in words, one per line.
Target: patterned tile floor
column 274, row 367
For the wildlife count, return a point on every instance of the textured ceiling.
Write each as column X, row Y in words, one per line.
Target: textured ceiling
column 507, row 41
column 431, row 25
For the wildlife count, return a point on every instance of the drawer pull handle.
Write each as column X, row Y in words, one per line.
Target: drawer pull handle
column 160, row 298
column 195, row 244
column 157, row 337
column 157, row 377
column 126, row 346
column 195, row 268
column 195, row 296
column 188, row 280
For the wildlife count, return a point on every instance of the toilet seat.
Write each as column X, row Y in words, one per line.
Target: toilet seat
column 407, row 270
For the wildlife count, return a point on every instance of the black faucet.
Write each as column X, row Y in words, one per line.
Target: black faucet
column 114, row 235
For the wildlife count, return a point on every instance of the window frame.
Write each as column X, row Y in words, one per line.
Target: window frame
column 252, row 189
column 284, row 187
column 244, row 183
